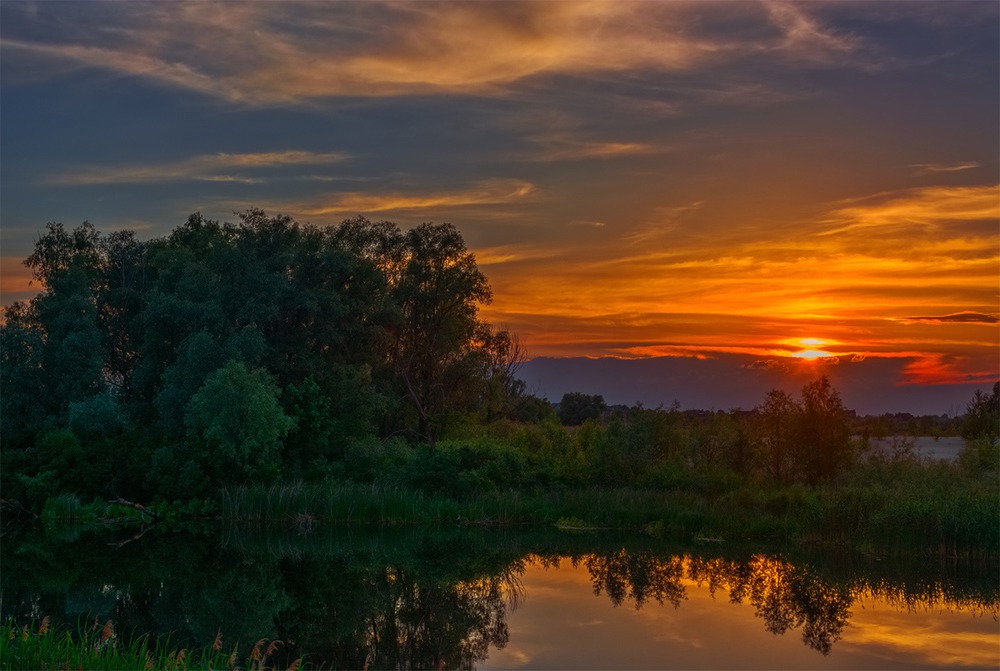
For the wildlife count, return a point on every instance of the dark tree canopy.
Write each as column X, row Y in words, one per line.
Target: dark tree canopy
column 982, row 418
column 332, row 334
column 576, row 407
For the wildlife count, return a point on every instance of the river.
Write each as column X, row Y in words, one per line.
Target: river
column 500, row 599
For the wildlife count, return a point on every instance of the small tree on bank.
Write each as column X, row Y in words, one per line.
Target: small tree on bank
column 982, row 418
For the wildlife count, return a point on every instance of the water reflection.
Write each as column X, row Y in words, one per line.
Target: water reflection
column 409, row 600
column 783, row 595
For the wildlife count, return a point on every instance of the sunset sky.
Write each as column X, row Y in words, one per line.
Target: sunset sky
column 760, row 185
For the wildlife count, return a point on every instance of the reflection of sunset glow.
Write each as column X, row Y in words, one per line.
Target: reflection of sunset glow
column 722, row 618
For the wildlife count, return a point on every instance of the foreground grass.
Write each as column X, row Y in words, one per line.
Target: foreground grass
column 98, row 648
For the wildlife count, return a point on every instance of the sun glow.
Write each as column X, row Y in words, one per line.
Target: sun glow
column 812, row 354
column 810, row 348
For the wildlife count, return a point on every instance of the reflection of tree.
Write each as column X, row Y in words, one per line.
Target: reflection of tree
column 434, row 626
column 637, row 576
column 783, row 595
column 407, row 613
column 421, row 600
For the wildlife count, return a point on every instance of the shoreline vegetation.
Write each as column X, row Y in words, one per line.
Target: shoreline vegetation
column 96, row 647
column 271, row 372
column 881, row 506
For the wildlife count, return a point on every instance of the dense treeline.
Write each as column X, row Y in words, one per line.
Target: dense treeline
column 228, row 353
column 269, row 352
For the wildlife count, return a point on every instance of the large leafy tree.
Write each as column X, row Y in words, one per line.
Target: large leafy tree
column 438, row 293
column 55, row 343
column 360, row 326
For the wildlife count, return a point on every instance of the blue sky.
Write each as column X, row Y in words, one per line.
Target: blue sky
column 638, row 179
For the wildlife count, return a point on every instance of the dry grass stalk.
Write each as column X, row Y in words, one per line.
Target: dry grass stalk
column 43, row 628
column 218, row 642
column 107, row 633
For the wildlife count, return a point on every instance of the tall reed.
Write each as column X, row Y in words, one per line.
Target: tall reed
column 98, row 647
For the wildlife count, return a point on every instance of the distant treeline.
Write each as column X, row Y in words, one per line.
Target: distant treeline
column 270, row 351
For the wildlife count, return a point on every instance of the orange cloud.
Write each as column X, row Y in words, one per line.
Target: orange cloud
column 315, row 50
column 679, row 284
column 930, row 207
column 946, row 369
column 489, row 192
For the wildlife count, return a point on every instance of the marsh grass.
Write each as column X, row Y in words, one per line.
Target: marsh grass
column 676, row 513
column 903, row 505
column 908, row 503
column 98, row 647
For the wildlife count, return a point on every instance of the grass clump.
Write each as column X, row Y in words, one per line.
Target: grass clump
column 98, row 647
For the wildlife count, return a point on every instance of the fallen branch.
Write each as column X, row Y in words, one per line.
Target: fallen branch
column 138, row 506
column 133, row 538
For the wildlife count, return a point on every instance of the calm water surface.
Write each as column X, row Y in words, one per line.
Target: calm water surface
column 562, row 624
column 492, row 599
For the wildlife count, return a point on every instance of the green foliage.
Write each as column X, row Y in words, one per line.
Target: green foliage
column 777, row 421
column 372, row 459
column 62, row 507
column 99, row 647
column 982, row 418
column 575, row 408
column 823, row 446
column 907, row 503
column 981, row 458
column 237, row 418
column 99, row 415
column 23, row 403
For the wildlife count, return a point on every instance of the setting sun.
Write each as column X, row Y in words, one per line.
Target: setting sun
column 810, row 348
column 814, row 342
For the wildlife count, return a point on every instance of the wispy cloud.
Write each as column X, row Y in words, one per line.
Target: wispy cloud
column 945, row 369
column 255, row 53
column 491, row 256
column 935, row 168
column 804, row 35
column 488, row 192
column 930, row 207
column 967, row 317
column 662, row 223
column 208, row 167
column 565, row 148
